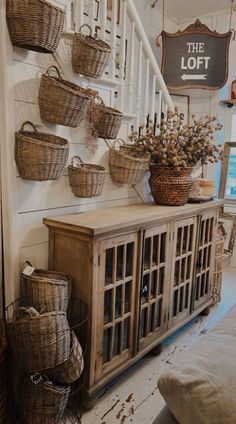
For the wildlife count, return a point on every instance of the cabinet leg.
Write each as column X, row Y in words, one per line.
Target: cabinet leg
column 205, row 312
column 157, row 350
column 88, row 403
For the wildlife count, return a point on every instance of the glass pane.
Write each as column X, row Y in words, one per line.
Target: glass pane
column 147, row 248
column 207, row 229
column 198, row 288
column 118, row 301
column 129, row 259
column 185, row 240
column 120, row 261
column 202, row 285
column 159, row 312
column 178, row 244
column 205, row 253
column 230, row 189
column 107, row 306
column 186, row 296
column 211, row 229
column 154, row 284
column 181, row 298
column 209, row 256
column 126, row 333
column 177, row 270
column 155, row 250
column 175, row 302
column 152, row 318
column 202, row 232
column 143, row 323
column 106, row 344
column 161, row 280
column 128, row 288
column 189, row 258
column 207, row 282
column 183, row 270
column 163, row 247
column 145, row 288
column 109, row 266
column 117, row 340
column 190, row 240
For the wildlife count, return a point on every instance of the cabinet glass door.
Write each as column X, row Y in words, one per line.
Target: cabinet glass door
column 184, row 239
column 204, row 262
column 117, row 281
column 154, row 287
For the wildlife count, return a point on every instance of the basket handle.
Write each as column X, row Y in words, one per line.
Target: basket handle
column 90, row 30
column 30, row 311
column 76, row 160
column 100, row 100
column 55, row 69
column 28, row 123
column 120, row 142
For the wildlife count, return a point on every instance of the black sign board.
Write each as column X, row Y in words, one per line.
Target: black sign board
column 195, row 58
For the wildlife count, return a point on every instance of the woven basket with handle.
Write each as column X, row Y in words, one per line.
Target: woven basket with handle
column 34, row 24
column 106, row 120
column 39, row 341
column 60, row 101
column 89, row 54
column 86, row 180
column 42, row 402
column 47, row 291
column 127, row 166
column 40, row 156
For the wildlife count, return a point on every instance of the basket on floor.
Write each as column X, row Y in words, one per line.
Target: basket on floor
column 70, row 370
column 3, row 375
column 60, row 101
column 219, row 259
column 34, row 24
column 40, row 156
column 86, row 180
column 39, row 341
column 127, row 166
column 106, row 120
column 42, row 402
column 47, row 291
column 89, row 54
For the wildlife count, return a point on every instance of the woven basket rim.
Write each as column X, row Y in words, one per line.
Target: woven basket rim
column 110, row 109
column 25, row 137
column 46, row 314
column 44, row 3
column 66, row 85
column 93, row 42
column 88, row 168
column 45, row 280
column 172, row 168
column 127, row 156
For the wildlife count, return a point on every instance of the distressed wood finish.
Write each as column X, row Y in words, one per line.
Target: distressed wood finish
column 137, row 269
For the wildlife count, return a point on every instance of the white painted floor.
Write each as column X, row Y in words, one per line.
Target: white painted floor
column 134, row 397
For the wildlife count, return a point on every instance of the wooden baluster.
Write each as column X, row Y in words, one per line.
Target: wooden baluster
column 153, row 100
column 146, row 93
column 159, row 107
column 103, row 19
column 122, row 63
column 113, row 39
column 139, row 84
column 92, row 15
column 131, row 69
column 79, row 12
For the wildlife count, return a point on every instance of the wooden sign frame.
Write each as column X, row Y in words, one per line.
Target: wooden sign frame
column 201, row 29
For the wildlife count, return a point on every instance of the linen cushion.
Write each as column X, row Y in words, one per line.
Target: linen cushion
column 201, row 388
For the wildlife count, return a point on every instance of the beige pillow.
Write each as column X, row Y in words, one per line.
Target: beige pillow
column 201, row 388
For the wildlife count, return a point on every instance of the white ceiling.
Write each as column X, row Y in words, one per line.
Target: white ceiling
column 182, row 10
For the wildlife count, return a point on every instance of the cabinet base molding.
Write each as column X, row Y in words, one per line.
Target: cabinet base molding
column 157, row 350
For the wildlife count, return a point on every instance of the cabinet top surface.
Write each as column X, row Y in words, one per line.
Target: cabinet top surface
column 102, row 221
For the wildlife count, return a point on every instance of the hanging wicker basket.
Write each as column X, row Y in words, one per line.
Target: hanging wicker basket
column 127, row 166
column 170, row 186
column 70, row 370
column 47, row 291
column 60, row 101
column 42, row 402
column 34, row 24
column 89, row 54
column 106, row 120
column 39, row 341
column 86, row 180
column 3, row 374
column 40, row 156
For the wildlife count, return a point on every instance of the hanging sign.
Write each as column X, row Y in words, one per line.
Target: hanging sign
column 195, row 58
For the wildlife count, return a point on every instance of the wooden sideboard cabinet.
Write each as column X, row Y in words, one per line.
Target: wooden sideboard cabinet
column 143, row 270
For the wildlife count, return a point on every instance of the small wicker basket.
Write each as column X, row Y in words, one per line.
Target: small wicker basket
column 106, row 120
column 60, row 101
column 47, row 291
column 86, row 180
column 127, row 166
column 3, row 374
column 42, row 402
column 40, row 156
column 70, row 370
column 89, row 54
column 39, row 341
column 34, row 24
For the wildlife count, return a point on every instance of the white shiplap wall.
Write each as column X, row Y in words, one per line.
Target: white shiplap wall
column 27, row 203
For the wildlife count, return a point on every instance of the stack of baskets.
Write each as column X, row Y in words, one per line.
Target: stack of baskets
column 219, row 260
column 86, row 180
column 127, row 165
column 46, row 348
column 3, row 376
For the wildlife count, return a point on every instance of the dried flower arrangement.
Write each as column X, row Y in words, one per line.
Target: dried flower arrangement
column 177, row 144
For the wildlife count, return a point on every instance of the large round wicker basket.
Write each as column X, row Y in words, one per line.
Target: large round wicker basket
column 106, row 120
column 126, row 165
column 47, row 291
column 89, row 54
column 3, row 374
column 60, row 101
column 170, row 186
column 34, row 24
column 42, row 402
column 86, row 180
column 40, row 156
column 39, row 341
